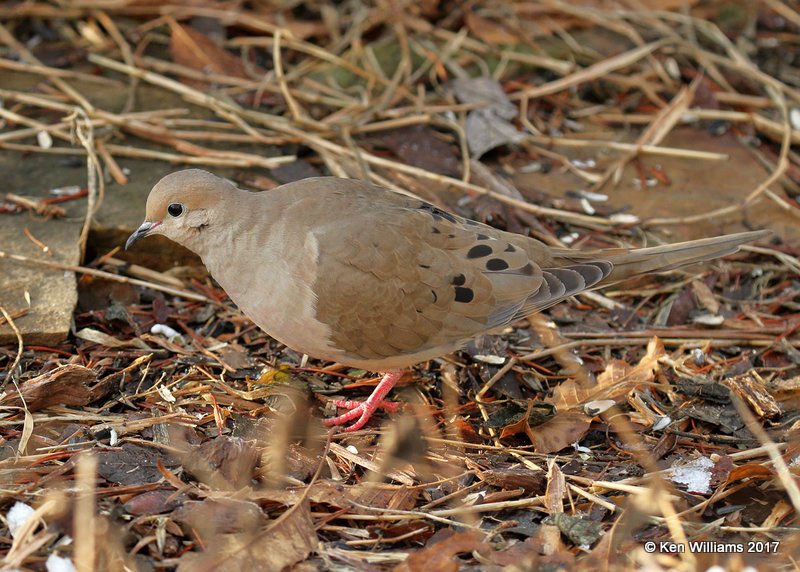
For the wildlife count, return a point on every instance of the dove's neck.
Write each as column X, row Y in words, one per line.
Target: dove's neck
column 237, row 239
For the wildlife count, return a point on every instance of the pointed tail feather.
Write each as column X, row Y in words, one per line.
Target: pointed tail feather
column 670, row 256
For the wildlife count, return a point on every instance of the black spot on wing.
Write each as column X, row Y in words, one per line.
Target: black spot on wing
column 458, row 280
column 496, row 264
column 464, row 295
column 479, row 251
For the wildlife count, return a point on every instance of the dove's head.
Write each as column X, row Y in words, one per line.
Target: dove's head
column 184, row 205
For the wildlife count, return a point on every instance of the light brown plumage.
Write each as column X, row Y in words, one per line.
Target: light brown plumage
column 345, row 271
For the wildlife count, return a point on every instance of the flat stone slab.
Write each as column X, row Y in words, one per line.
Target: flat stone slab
column 695, row 186
column 52, row 293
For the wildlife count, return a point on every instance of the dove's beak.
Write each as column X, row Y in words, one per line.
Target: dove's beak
column 144, row 229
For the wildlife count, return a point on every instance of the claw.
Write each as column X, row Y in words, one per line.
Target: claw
column 362, row 411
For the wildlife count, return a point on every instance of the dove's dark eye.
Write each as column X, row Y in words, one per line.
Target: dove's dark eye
column 175, row 209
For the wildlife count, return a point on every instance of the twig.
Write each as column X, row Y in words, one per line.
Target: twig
column 109, row 276
column 94, row 174
column 655, row 150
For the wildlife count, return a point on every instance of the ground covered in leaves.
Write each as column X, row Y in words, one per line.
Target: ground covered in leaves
column 651, row 425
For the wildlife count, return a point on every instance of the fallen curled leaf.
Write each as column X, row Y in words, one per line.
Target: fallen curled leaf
column 705, row 296
column 226, row 463
column 485, row 131
column 220, row 515
column 358, row 499
column 522, row 425
column 721, row 470
column 556, row 490
column 487, row 91
column 439, row 554
column 616, row 381
column 154, row 502
column 489, row 31
column 395, row 497
column 530, row 481
column 750, row 471
column 558, row 432
column 196, row 51
column 467, row 432
column 421, row 146
column 487, row 127
column 287, row 540
column 68, row 384
column 98, row 337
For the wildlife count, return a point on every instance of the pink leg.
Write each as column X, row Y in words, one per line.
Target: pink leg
column 364, row 410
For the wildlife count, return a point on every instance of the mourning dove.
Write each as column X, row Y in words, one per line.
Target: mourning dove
column 346, row 271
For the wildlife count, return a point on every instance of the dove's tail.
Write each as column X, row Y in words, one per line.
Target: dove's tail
column 634, row 262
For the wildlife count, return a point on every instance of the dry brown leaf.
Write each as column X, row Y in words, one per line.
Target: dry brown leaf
column 618, row 378
column 554, row 434
column 154, row 502
column 372, row 495
column 321, row 492
column 224, row 463
column 378, row 495
column 419, row 145
column 750, row 471
column 487, row 127
column 286, row 541
column 196, row 51
column 68, row 384
column 98, row 337
column 520, row 556
column 520, row 426
column 489, row 31
column 559, row 432
column 220, row 516
column 556, row 489
column 440, row 555
column 705, row 296
column 532, row 482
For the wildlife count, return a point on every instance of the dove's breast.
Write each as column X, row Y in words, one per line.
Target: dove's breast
column 268, row 271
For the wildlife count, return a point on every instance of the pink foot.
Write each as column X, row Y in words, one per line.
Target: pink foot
column 364, row 410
